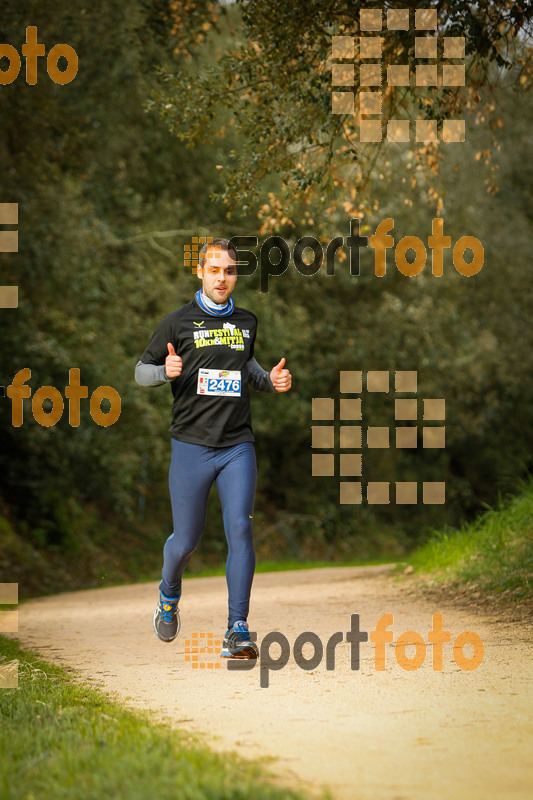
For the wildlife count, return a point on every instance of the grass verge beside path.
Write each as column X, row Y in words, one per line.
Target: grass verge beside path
column 62, row 739
column 494, row 553
column 290, row 564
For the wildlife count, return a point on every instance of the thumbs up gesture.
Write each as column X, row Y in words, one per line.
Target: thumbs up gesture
column 173, row 362
column 281, row 378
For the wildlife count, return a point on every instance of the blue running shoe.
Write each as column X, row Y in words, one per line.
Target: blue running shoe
column 237, row 642
column 167, row 618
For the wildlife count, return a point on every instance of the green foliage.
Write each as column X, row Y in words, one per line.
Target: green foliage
column 90, row 171
column 107, row 197
column 275, row 80
column 494, row 553
column 467, row 337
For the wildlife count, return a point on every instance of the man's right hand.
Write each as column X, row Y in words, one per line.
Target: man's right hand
column 173, row 363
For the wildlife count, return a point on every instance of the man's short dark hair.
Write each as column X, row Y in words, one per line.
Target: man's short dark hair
column 224, row 244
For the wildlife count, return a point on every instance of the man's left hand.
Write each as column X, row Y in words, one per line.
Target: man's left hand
column 281, row 378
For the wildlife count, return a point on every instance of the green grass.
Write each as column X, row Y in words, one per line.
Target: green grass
column 269, row 565
column 61, row 739
column 286, row 564
column 494, row 553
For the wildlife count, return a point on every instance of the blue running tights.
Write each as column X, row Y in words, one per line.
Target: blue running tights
column 193, row 469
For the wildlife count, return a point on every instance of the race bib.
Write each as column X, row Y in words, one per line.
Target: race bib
column 220, row 382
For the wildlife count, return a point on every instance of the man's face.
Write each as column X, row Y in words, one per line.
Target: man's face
column 218, row 275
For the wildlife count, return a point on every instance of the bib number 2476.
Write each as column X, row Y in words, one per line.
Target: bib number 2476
column 222, row 383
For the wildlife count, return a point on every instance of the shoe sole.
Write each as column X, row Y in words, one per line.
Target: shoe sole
column 250, row 653
column 156, row 618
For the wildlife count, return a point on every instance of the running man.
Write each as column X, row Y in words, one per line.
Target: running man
column 205, row 350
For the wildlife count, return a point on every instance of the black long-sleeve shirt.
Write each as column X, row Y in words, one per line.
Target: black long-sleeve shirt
column 206, row 342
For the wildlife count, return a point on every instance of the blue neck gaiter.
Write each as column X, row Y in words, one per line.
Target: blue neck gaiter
column 215, row 309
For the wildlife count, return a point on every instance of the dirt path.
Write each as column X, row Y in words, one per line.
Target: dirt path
column 367, row 734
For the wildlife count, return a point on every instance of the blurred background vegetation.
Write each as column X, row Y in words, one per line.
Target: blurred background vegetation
column 113, row 174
